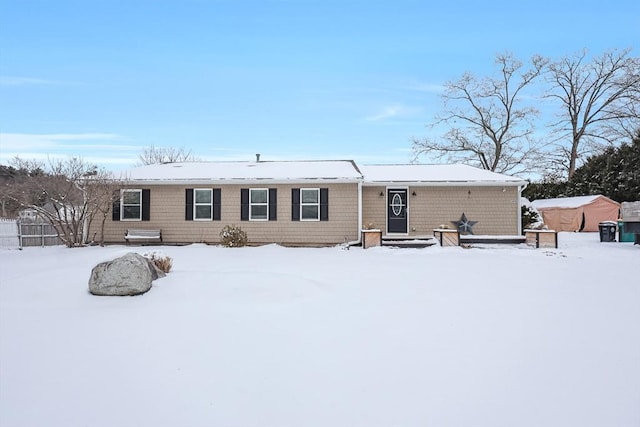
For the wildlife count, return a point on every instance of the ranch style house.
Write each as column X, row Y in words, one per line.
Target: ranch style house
column 310, row 203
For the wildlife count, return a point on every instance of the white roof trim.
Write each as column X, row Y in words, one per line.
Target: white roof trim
column 242, row 181
column 445, row 183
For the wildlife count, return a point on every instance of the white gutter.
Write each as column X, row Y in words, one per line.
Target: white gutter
column 446, row 183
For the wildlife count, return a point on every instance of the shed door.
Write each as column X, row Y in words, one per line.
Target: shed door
column 396, row 211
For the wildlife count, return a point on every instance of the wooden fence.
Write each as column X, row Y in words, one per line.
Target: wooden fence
column 15, row 234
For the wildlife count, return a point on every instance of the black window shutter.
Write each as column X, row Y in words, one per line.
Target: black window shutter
column 244, row 204
column 216, row 204
column 146, row 205
column 273, row 204
column 295, row 204
column 115, row 208
column 324, row 204
column 188, row 204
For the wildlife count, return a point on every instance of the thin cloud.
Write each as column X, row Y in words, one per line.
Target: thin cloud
column 386, row 113
column 393, row 112
column 101, row 148
column 29, row 141
column 6, row 157
column 29, row 81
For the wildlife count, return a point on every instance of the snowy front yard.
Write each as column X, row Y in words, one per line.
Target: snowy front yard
column 272, row 336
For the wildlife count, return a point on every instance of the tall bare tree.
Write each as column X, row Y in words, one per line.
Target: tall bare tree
column 152, row 155
column 69, row 195
column 598, row 101
column 487, row 121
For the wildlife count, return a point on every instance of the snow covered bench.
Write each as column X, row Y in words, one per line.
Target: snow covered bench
column 136, row 234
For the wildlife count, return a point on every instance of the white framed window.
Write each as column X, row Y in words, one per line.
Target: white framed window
column 309, row 204
column 258, row 204
column 131, row 205
column 202, row 204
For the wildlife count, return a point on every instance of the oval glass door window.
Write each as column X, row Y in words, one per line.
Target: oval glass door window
column 396, row 204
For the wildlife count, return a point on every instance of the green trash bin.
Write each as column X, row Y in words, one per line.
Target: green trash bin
column 622, row 236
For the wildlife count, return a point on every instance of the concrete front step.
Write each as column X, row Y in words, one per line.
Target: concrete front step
column 409, row 242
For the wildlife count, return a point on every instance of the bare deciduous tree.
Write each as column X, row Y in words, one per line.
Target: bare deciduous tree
column 598, row 101
column 100, row 193
column 489, row 124
column 152, row 155
column 69, row 195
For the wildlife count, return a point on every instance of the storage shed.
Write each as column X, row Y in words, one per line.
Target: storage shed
column 582, row 213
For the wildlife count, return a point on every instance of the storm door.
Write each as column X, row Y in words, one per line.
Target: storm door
column 397, row 211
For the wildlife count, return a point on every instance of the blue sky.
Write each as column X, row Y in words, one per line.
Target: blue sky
column 305, row 79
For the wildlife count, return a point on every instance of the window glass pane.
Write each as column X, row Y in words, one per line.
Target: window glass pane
column 309, row 212
column 203, row 196
column 131, row 197
column 258, row 196
column 309, row 196
column 203, row 212
column 131, row 212
column 259, row 212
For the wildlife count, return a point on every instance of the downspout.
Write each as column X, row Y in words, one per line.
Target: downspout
column 359, row 230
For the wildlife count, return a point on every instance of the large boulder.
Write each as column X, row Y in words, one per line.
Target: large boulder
column 130, row 274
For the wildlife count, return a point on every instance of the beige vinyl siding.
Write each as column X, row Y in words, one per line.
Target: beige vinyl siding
column 495, row 210
column 374, row 208
column 168, row 214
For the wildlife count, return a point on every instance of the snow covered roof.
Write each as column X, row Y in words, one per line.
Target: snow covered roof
column 272, row 171
column 316, row 170
column 567, row 202
column 435, row 175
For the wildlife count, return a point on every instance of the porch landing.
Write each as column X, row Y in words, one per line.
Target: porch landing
column 429, row 240
column 409, row 241
column 470, row 238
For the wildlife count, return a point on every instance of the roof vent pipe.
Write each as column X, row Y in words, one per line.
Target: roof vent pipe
column 258, row 158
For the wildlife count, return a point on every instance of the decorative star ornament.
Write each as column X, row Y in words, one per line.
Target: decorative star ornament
column 464, row 226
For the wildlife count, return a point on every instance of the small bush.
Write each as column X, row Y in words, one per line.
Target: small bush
column 232, row 236
column 530, row 218
column 163, row 262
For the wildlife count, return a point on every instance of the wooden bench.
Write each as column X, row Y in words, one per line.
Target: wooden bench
column 142, row 235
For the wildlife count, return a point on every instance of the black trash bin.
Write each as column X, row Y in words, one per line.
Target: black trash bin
column 607, row 231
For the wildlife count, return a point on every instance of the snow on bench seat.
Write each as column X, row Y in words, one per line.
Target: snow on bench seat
column 143, row 234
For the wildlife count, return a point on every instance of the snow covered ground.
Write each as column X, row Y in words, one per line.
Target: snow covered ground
column 273, row 336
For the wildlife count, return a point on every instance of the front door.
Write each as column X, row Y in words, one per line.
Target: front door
column 397, row 211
